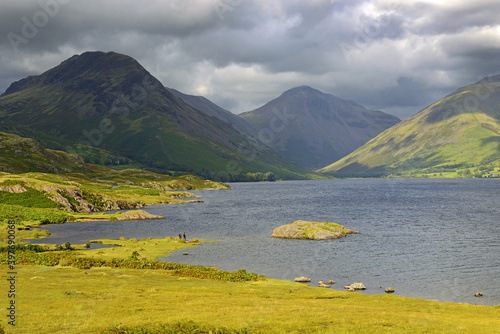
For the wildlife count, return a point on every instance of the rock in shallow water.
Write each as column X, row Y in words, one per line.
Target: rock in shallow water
column 301, row 229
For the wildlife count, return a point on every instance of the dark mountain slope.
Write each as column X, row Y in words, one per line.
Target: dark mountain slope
column 207, row 106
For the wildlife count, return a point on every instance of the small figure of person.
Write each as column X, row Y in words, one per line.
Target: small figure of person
column 184, row 236
column 180, row 235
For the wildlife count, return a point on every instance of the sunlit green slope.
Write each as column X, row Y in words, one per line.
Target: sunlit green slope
column 455, row 134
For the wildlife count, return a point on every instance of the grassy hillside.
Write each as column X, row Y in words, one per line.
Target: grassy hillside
column 458, row 135
column 18, row 154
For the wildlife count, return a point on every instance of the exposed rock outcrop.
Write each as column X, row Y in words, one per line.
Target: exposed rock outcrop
column 16, row 189
column 301, row 229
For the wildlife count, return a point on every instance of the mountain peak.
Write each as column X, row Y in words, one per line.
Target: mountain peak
column 102, row 59
column 301, row 89
column 93, row 69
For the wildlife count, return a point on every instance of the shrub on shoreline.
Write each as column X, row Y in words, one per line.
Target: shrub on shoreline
column 27, row 256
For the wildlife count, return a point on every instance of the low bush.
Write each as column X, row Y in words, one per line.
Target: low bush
column 28, row 247
column 26, row 256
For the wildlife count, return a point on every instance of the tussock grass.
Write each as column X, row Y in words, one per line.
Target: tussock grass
column 175, row 328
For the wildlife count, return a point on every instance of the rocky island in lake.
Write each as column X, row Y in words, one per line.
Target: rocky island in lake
column 301, row 229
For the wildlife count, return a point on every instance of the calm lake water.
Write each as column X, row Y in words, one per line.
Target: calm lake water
column 426, row 238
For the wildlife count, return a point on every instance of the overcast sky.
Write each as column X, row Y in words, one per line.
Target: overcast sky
column 395, row 56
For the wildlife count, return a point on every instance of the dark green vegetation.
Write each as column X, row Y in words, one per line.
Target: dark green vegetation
column 312, row 128
column 67, row 257
column 457, row 136
column 109, row 110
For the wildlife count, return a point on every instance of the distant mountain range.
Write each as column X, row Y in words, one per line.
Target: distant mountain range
column 455, row 134
column 107, row 109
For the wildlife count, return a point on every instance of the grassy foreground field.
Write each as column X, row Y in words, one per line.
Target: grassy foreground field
column 63, row 299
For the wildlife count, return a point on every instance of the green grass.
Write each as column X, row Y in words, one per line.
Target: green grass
column 94, row 299
column 149, row 249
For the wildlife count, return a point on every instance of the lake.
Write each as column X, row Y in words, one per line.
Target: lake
column 426, row 238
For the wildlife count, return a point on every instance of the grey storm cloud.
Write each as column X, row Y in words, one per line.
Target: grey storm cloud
column 397, row 56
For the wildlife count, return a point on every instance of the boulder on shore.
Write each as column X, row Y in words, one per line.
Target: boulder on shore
column 355, row 286
column 301, row 229
column 302, row 279
column 321, row 284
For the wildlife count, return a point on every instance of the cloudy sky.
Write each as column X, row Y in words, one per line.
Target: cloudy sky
column 395, row 56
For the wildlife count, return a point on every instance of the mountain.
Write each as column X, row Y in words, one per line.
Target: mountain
column 107, row 106
column 312, row 128
column 208, row 107
column 458, row 132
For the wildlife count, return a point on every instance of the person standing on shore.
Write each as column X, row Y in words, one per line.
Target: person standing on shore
column 184, row 236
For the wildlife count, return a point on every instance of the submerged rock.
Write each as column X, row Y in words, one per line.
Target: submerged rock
column 478, row 294
column 301, row 229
